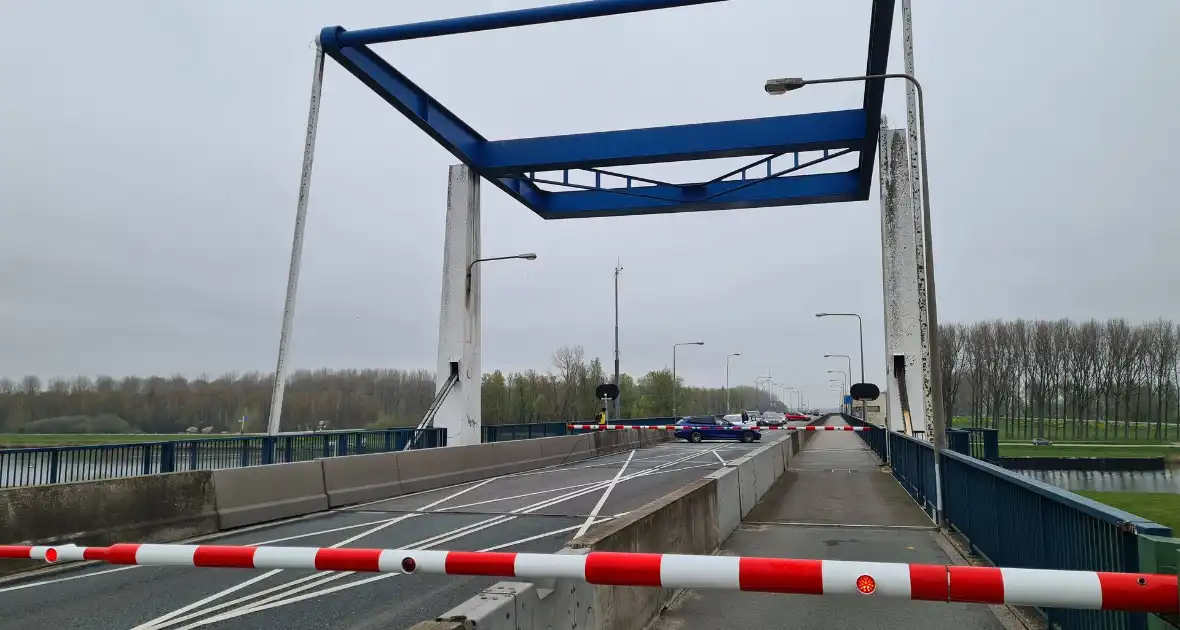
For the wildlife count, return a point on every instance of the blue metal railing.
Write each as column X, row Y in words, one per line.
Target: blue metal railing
column 1016, row 521
column 65, row 464
column 506, row 432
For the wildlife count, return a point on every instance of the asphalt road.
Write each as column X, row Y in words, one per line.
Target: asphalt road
column 536, row 511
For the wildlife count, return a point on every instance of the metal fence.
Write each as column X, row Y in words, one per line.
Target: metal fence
column 65, row 464
column 1013, row 520
column 506, row 432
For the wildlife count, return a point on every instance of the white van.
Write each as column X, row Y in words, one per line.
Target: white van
column 736, row 418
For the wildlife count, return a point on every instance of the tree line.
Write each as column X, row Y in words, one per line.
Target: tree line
column 342, row 399
column 1091, row 379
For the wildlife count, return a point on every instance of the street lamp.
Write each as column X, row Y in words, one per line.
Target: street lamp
column 843, row 380
column 674, row 382
column 727, row 358
column 618, row 404
column 528, row 256
column 758, row 391
column 861, row 328
column 776, row 87
column 848, row 359
column 798, row 396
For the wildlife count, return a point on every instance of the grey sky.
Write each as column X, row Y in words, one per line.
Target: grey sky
column 151, row 150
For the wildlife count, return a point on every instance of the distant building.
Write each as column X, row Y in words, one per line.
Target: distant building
column 874, row 408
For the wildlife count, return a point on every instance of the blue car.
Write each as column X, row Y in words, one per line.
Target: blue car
column 698, row 428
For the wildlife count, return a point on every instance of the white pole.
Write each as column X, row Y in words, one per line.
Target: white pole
column 313, row 117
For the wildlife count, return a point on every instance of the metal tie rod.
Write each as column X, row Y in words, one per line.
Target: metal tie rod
column 1092, row 590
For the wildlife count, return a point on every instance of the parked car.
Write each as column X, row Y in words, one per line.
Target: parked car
column 740, row 420
column 772, row 418
column 698, row 428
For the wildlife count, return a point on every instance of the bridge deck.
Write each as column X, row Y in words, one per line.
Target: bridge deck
column 834, row 503
column 549, row 506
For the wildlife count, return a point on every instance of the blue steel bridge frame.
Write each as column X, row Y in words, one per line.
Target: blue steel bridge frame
column 516, row 165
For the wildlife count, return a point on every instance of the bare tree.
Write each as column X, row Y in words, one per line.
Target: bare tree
column 952, row 339
column 1083, row 353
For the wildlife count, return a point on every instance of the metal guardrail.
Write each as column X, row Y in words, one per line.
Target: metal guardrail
column 1013, row 520
column 507, row 432
column 65, row 464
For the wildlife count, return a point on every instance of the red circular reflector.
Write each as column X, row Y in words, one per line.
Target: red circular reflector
column 866, row 584
column 408, row 565
column 51, row 555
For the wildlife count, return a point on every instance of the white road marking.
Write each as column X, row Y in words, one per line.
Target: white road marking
column 605, row 495
column 343, row 528
column 155, row 623
column 65, row 579
column 491, row 522
column 718, row 457
column 383, row 576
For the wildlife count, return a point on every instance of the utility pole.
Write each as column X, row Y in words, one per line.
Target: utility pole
column 618, row 407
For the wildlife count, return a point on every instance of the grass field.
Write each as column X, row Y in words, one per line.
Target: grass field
column 27, row 440
column 1161, row 507
column 1097, row 450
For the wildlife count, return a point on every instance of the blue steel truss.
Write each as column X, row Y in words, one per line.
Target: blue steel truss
column 514, row 165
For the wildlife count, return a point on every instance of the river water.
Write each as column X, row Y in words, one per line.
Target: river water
column 1121, row 481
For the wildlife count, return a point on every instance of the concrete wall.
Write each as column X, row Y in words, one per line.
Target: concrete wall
column 695, row 519
column 172, row 507
column 155, row 508
column 245, row 496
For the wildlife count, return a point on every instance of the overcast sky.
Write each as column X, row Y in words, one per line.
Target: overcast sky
column 150, row 158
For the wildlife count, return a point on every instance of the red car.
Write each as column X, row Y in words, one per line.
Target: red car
column 795, row 416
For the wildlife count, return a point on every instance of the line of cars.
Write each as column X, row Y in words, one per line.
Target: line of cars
column 744, row 427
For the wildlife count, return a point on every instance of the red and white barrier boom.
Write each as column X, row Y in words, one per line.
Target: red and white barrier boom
column 1133, row 592
column 674, row 427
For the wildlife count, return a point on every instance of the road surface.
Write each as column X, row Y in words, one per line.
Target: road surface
column 536, row 511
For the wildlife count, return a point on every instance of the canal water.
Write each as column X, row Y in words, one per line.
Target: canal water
column 1121, row 481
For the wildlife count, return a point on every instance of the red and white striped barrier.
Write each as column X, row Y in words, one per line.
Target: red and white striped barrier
column 614, row 427
column 673, row 427
column 1134, row 592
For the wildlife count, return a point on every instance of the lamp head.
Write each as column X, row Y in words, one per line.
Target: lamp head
column 776, row 87
column 528, row 256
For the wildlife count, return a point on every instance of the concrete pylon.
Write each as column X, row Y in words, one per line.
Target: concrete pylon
column 906, row 349
column 459, row 318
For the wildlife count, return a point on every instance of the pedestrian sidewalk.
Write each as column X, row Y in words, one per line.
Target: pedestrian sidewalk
column 834, row 503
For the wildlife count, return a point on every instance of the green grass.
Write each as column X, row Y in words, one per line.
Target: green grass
column 26, row 440
column 1161, row 507
column 1028, row 450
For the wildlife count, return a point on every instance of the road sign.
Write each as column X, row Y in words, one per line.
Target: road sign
column 847, row 399
column 607, row 390
column 865, row 391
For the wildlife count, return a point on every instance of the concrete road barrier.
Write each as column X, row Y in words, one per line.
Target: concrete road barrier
column 426, row 469
column 155, row 508
column 695, row 519
column 563, row 450
column 360, row 478
column 729, row 502
column 258, row 494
